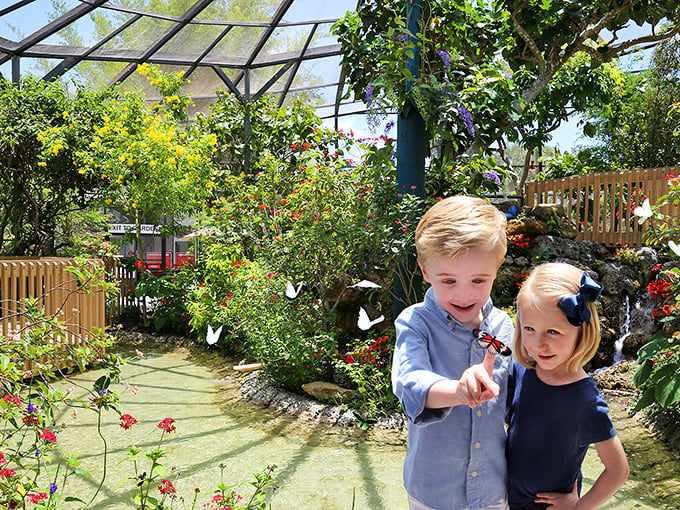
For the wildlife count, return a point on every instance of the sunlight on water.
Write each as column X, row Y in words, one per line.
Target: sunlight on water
column 318, row 466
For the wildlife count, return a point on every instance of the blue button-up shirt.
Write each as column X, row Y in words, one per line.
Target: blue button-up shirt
column 456, row 456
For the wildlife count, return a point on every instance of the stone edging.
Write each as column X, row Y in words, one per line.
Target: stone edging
column 258, row 390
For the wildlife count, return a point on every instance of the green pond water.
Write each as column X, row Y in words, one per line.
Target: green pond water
column 318, row 466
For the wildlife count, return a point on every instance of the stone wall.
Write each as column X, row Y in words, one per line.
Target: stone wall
column 625, row 306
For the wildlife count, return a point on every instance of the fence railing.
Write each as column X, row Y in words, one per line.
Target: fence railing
column 126, row 281
column 57, row 292
column 601, row 205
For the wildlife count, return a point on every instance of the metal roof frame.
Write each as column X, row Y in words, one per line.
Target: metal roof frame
column 283, row 65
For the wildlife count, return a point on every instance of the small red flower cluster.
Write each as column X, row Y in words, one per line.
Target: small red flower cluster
column 12, row 399
column 166, row 487
column 167, row 425
column 376, row 353
column 521, row 277
column 37, row 498
column 659, row 290
column 48, row 436
column 127, row 421
column 7, row 473
column 519, row 241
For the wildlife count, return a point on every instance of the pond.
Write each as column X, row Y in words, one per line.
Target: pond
column 318, row 466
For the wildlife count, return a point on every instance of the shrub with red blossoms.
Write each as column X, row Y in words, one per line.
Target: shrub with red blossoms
column 167, row 425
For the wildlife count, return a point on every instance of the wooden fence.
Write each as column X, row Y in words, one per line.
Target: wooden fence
column 57, row 293
column 126, row 281
column 600, row 206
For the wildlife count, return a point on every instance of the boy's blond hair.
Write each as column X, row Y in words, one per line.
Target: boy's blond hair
column 458, row 223
column 546, row 285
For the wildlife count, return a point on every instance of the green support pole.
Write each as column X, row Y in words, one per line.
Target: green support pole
column 411, row 144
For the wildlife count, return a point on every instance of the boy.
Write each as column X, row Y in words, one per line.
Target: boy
column 452, row 389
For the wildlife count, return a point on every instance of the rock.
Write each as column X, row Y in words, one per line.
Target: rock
column 618, row 278
column 527, row 226
column 585, row 252
column 619, row 378
column 323, row 390
column 546, row 211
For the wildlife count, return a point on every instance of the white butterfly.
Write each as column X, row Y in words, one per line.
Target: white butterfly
column 644, row 211
column 213, row 336
column 291, row 292
column 674, row 247
column 364, row 322
column 365, row 284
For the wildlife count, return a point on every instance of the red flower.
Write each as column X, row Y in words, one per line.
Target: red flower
column 139, row 264
column 127, row 421
column 13, row 399
column 167, row 425
column 48, row 436
column 7, row 473
column 3, row 460
column 36, row 498
column 30, row 419
column 166, row 487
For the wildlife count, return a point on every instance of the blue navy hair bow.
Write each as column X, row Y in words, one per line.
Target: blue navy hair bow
column 575, row 307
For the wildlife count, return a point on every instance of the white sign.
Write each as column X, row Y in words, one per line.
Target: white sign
column 122, row 228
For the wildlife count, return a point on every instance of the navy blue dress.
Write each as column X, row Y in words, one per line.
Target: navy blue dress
column 550, row 429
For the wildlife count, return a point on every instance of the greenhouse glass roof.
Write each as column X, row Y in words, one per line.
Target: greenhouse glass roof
column 279, row 47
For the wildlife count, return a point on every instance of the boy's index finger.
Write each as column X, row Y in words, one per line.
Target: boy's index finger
column 489, row 359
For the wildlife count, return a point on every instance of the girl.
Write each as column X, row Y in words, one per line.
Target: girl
column 557, row 411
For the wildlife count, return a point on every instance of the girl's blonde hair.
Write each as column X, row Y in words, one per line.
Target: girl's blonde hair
column 458, row 223
column 546, row 285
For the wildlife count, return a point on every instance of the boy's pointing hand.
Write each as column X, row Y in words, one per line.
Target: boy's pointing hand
column 476, row 385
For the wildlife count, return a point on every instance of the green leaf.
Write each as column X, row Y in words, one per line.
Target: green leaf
column 82, row 472
column 648, row 398
column 102, row 383
column 652, row 348
column 643, row 372
column 668, row 390
column 74, row 499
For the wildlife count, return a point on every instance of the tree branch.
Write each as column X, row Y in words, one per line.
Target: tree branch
column 530, row 43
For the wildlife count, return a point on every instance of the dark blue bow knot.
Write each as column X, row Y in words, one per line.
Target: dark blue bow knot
column 575, row 307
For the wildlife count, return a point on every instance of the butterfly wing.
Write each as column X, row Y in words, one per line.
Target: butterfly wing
column 363, row 322
column 292, row 292
column 512, row 212
column 644, row 211
column 213, row 336
column 674, row 247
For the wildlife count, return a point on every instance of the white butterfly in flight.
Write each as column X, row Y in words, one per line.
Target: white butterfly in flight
column 644, row 210
column 364, row 322
column 674, row 247
column 292, row 292
column 213, row 336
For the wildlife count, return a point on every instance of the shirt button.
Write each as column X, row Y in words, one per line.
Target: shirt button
column 479, row 412
column 477, row 445
column 474, row 474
